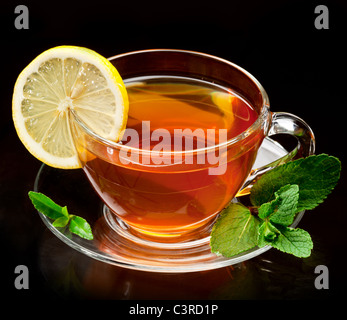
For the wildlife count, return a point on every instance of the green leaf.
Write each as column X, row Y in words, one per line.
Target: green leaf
column 45, row 205
column 61, row 222
column 65, row 212
column 267, row 233
column 282, row 210
column 60, row 215
column 316, row 176
column 81, row 227
column 296, row 241
column 235, row 231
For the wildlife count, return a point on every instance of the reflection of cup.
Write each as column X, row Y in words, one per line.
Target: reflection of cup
column 165, row 194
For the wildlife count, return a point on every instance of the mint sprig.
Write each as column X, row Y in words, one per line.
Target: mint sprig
column 276, row 198
column 60, row 215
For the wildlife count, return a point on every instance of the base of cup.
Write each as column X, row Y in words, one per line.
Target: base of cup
column 193, row 238
column 118, row 240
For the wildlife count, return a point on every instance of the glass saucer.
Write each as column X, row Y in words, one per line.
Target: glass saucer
column 112, row 243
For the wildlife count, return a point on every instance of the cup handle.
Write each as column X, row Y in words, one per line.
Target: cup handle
column 284, row 123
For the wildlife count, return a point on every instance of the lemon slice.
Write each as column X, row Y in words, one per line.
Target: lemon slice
column 58, row 80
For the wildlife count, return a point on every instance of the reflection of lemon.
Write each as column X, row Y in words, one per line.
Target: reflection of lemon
column 60, row 79
column 224, row 101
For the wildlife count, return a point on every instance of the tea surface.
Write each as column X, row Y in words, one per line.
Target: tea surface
column 179, row 103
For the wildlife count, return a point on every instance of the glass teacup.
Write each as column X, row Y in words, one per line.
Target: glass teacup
column 164, row 191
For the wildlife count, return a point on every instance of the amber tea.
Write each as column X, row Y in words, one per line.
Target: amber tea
column 170, row 193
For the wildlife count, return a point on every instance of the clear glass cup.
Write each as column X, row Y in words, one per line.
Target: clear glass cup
column 149, row 200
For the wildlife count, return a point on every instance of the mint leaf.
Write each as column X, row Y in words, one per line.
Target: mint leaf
column 315, row 175
column 60, row 215
column 235, row 231
column 65, row 212
column 293, row 241
column 267, row 233
column 80, row 227
column 45, row 205
column 61, row 222
column 282, row 210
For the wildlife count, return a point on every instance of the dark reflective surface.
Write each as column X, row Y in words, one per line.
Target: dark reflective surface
column 270, row 276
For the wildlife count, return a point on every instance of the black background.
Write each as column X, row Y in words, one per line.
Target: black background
column 303, row 71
